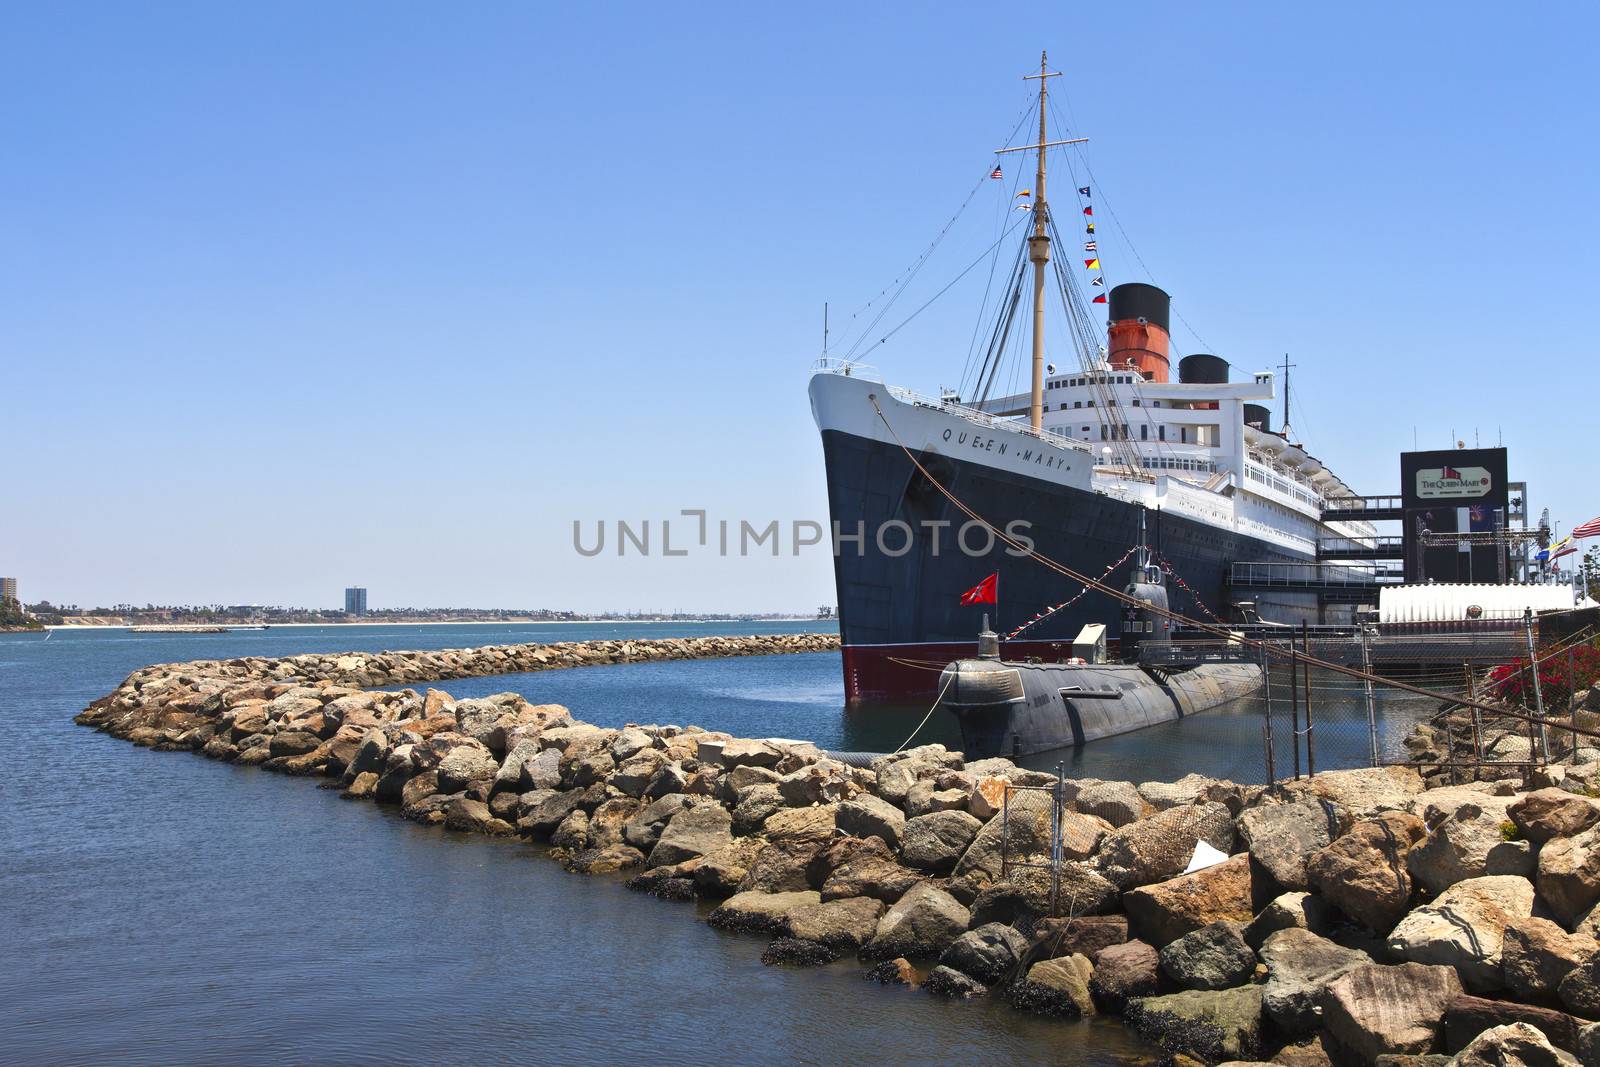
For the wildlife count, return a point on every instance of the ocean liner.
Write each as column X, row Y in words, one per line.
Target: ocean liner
column 1067, row 469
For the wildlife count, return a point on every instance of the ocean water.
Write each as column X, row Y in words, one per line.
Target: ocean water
column 159, row 908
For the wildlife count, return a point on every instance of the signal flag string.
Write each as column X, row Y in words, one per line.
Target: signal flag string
column 1166, row 566
column 1047, row 612
column 1267, row 648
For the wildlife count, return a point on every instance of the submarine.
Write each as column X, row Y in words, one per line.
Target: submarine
column 1022, row 707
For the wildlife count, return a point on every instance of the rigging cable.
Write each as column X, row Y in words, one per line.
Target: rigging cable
column 899, row 285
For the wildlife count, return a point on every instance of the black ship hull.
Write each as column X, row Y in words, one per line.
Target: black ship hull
column 899, row 596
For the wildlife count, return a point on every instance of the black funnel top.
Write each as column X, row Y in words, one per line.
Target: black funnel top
column 1136, row 300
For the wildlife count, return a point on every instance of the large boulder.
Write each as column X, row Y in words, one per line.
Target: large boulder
column 544, row 809
column 1464, row 928
column 1193, row 789
column 760, row 912
column 645, row 829
column 868, row 816
column 1056, row 987
column 823, row 782
column 1118, row 803
column 1546, row 814
column 469, row 761
column 1376, row 1010
column 1212, row 957
column 692, row 832
column 1024, row 896
column 540, row 771
column 1210, row 1025
column 1364, row 792
column 780, row 867
column 1290, row 911
column 922, row 923
column 1022, row 835
column 1164, row 912
column 801, row 824
column 1468, row 843
column 740, row 752
column 842, row 924
column 1514, row 1045
column 1569, row 875
column 1468, row 1016
column 1131, row 969
column 1537, row 954
column 1363, row 873
column 988, row 953
column 1579, row 988
column 1300, row 965
column 870, row 872
column 1160, row 847
column 1282, row 837
column 936, row 842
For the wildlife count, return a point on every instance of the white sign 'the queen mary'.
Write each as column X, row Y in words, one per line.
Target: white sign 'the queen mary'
column 1453, row 482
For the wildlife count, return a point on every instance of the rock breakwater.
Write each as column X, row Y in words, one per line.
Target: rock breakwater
column 1358, row 915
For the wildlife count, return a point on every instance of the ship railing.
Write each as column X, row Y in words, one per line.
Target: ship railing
column 849, row 368
column 1189, row 653
column 985, row 419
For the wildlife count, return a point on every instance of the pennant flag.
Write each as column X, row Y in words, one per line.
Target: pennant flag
column 1026, row 192
column 1100, row 298
column 1092, row 264
column 1563, row 543
column 1025, row 206
column 1089, row 209
column 996, row 173
column 985, row 592
column 1089, row 228
column 1586, row 529
column 1083, row 190
column 1089, row 246
column 1569, row 550
column 1098, row 280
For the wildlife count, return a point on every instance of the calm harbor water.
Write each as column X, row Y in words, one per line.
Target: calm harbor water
column 164, row 909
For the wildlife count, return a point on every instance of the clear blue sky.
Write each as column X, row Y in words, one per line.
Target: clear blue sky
column 302, row 295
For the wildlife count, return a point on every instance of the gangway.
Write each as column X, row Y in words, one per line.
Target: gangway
column 1359, row 508
column 1360, row 548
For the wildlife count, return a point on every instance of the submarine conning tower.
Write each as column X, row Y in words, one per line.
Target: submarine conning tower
column 1139, row 335
column 1141, row 625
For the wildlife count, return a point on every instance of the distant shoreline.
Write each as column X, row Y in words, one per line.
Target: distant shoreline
column 460, row 622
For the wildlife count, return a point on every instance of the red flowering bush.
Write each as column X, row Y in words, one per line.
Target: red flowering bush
column 1559, row 677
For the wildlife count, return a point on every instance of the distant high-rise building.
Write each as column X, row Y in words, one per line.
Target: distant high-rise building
column 355, row 600
column 8, row 589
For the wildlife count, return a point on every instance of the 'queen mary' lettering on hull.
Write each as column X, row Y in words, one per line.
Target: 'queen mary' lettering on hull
column 1037, row 456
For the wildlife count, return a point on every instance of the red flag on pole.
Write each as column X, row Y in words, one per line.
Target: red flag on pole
column 985, row 592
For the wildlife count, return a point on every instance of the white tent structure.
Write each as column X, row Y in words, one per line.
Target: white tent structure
column 1445, row 603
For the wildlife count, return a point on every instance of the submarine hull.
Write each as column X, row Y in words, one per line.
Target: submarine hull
column 1014, row 709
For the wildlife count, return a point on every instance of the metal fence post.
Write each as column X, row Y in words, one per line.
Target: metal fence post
column 1055, row 840
column 1572, row 703
column 1372, row 708
column 1539, row 740
column 1305, row 672
column 1266, row 721
column 1294, row 703
column 1005, row 832
column 1477, row 732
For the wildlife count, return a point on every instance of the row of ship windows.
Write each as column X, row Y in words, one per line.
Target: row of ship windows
column 1112, row 432
column 1080, row 403
column 1098, row 379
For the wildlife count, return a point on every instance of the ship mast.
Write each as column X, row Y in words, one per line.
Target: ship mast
column 1039, row 241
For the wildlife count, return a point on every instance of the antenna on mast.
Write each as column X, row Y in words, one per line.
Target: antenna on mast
column 824, row 329
column 1286, row 366
column 1039, row 240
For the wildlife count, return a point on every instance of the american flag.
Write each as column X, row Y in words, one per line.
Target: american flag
column 1587, row 529
column 996, row 172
